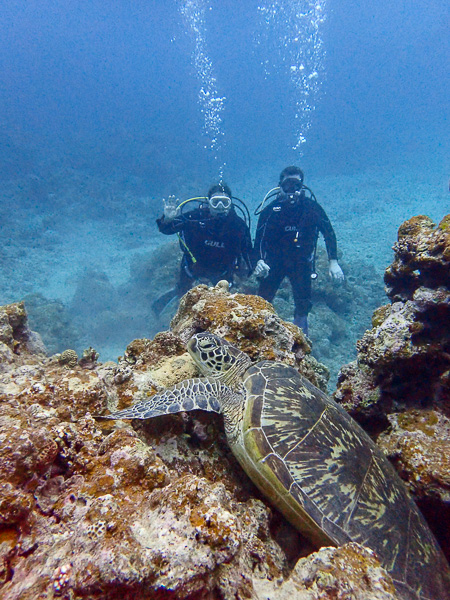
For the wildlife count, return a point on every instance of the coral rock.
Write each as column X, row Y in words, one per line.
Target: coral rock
column 89, row 358
column 419, row 442
column 399, row 387
column 422, row 257
column 15, row 333
column 152, row 510
column 332, row 573
column 250, row 323
column 69, row 358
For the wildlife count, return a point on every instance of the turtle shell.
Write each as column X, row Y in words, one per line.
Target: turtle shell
column 325, row 474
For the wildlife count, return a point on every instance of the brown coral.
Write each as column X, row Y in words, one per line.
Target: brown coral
column 68, row 358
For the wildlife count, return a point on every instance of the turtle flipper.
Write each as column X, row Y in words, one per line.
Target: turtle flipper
column 191, row 394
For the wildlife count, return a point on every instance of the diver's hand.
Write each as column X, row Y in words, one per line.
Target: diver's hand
column 335, row 271
column 170, row 208
column 262, row 269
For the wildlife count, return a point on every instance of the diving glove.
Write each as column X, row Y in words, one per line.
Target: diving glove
column 335, row 271
column 170, row 208
column 262, row 269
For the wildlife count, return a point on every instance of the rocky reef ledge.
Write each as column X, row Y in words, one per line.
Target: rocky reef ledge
column 399, row 386
column 161, row 509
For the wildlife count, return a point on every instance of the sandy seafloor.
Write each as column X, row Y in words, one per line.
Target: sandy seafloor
column 54, row 234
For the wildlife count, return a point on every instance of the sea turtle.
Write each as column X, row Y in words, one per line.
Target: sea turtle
column 311, row 459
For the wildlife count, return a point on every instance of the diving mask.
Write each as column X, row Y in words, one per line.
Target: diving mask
column 220, row 203
column 292, row 184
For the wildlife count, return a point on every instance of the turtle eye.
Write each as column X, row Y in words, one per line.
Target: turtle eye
column 207, row 343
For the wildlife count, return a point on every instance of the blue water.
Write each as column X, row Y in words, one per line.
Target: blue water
column 101, row 118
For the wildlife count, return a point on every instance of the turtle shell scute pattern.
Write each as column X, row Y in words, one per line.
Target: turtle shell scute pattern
column 338, row 475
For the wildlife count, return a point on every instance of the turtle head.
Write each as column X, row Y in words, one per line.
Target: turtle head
column 217, row 358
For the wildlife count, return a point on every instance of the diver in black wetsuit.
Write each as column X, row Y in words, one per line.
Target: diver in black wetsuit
column 285, row 243
column 212, row 237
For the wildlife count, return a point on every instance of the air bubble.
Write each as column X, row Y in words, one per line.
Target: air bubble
column 293, row 33
column 211, row 104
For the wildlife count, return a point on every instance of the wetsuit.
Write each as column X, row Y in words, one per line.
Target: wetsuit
column 211, row 248
column 286, row 238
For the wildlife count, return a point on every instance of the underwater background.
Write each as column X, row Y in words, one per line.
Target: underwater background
column 106, row 108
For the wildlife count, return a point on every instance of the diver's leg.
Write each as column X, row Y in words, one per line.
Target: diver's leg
column 184, row 283
column 160, row 303
column 185, row 280
column 269, row 285
column 300, row 278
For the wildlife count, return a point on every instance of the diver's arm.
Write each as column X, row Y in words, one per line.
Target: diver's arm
column 260, row 267
column 169, row 227
column 247, row 249
column 259, row 245
column 326, row 229
column 171, row 221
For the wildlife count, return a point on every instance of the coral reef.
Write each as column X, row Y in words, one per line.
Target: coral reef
column 250, row 323
column 332, row 573
column 91, row 317
column 89, row 358
column 399, row 387
column 157, row 510
column 335, row 320
column 422, row 258
column 161, row 509
column 15, row 336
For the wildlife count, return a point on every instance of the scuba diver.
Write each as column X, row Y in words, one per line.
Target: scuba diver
column 285, row 243
column 213, row 238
